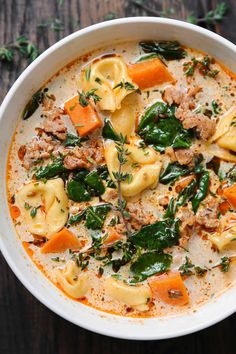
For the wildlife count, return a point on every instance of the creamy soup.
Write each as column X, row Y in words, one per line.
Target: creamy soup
column 122, row 179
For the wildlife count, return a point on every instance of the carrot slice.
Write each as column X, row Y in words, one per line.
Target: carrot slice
column 149, row 73
column 183, row 182
column 112, row 238
column 85, row 119
column 61, row 241
column 15, row 212
column 170, row 289
column 224, row 207
column 230, row 194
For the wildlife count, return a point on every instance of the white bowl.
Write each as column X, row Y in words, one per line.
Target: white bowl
column 30, row 80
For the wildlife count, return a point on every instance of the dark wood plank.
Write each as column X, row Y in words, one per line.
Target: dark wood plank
column 26, row 326
column 34, row 19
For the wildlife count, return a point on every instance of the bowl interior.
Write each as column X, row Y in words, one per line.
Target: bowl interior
column 33, row 77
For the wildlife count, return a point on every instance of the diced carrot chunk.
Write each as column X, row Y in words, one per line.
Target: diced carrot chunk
column 149, row 73
column 183, row 182
column 169, row 288
column 230, row 194
column 112, row 238
column 15, row 212
column 224, row 207
column 61, row 241
column 85, row 119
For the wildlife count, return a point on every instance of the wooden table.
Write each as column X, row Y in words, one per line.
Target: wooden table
column 26, row 326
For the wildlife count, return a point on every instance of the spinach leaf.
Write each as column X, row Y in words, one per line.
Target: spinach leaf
column 160, row 128
column 150, row 263
column 171, row 209
column 102, row 171
column 147, row 57
column 95, row 183
column 186, row 193
column 77, row 191
column 84, row 185
column 72, row 140
column 127, row 249
column 157, row 110
column 214, row 164
column 77, row 217
column 173, row 171
column 169, row 50
column 33, row 104
column 52, row 170
column 108, row 132
column 157, row 236
column 201, row 191
column 80, row 174
column 96, row 215
column 104, row 174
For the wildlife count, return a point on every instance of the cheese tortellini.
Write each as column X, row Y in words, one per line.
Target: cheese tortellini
column 223, row 239
column 74, row 282
column 142, row 167
column 44, row 206
column 123, row 120
column 225, row 137
column 135, row 296
column 105, row 75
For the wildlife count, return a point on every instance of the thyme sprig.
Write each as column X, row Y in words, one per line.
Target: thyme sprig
column 122, row 153
column 84, row 97
column 211, row 17
column 21, row 45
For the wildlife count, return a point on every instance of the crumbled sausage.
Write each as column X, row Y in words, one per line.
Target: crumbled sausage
column 207, row 216
column 110, row 195
column 54, row 123
column 171, row 153
column 164, row 201
column 172, row 95
column 40, row 147
column 187, row 219
column 138, row 217
column 190, row 119
column 76, row 160
column 204, row 125
column 85, row 156
column 184, row 156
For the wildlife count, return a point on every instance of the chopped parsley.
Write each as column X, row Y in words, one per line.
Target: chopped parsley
column 203, row 66
column 225, row 264
column 187, row 267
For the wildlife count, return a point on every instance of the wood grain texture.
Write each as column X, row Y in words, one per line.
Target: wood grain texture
column 26, row 326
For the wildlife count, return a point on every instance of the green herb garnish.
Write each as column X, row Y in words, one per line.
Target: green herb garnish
column 84, row 97
column 34, row 211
